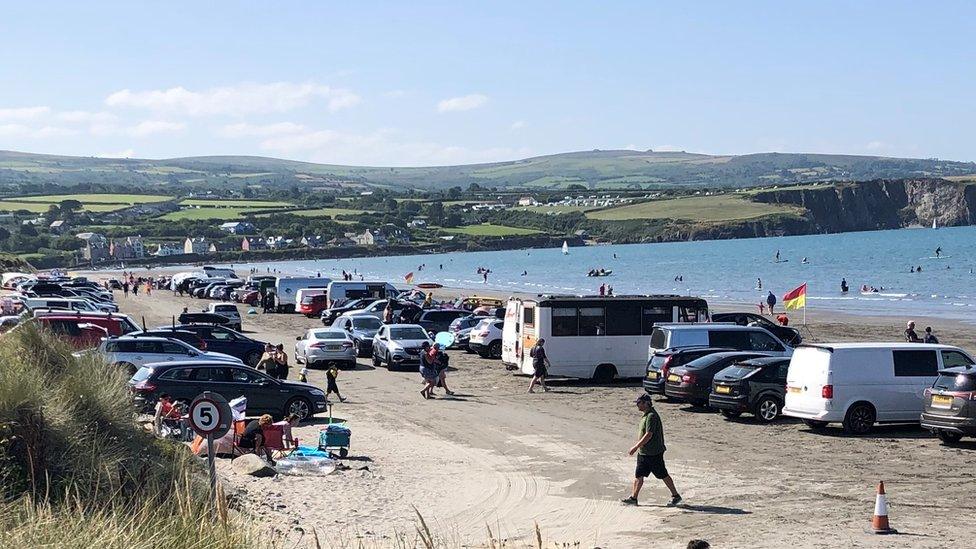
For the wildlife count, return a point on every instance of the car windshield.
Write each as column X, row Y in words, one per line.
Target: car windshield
column 704, row 361
column 329, row 334
column 738, row 371
column 407, row 333
column 658, row 361
column 956, row 382
column 142, row 374
column 367, row 323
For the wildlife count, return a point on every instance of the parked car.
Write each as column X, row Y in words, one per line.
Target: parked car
column 439, row 320
column 788, row 335
column 661, row 363
column 185, row 380
column 713, row 334
column 693, row 382
column 757, row 386
column 329, row 315
column 950, row 404
column 325, row 346
column 185, row 336
column 224, row 340
column 860, row 384
column 313, row 305
column 399, row 345
column 486, row 338
column 114, row 323
column 361, row 328
column 78, row 334
column 228, row 310
column 203, row 318
column 133, row 352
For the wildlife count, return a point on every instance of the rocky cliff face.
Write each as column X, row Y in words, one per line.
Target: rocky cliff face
column 881, row 204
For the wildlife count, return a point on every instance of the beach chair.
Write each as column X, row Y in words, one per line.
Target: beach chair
column 275, row 439
column 238, row 428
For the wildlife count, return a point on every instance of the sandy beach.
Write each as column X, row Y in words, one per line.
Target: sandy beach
column 495, row 458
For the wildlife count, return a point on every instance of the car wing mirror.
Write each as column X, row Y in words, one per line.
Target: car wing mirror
column 299, row 338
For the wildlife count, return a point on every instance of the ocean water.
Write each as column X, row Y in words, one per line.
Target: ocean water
column 719, row 270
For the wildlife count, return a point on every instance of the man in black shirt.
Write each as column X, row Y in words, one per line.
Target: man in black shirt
column 910, row 335
column 253, row 437
column 540, row 365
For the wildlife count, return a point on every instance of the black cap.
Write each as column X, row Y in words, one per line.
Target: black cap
column 644, row 398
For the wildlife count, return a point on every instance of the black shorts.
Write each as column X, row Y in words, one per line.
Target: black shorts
column 651, row 465
column 540, row 372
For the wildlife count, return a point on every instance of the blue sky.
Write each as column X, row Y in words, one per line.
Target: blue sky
column 422, row 83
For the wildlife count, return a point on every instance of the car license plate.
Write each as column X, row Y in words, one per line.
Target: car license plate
column 333, row 347
column 652, row 375
column 723, row 390
column 795, row 389
column 674, row 377
column 941, row 401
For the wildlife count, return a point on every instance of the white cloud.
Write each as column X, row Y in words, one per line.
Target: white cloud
column 85, row 117
column 127, row 153
column 462, row 103
column 24, row 113
column 244, row 129
column 27, row 132
column 142, row 129
column 235, row 100
column 517, row 125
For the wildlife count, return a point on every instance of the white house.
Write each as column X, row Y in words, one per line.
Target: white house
column 197, row 245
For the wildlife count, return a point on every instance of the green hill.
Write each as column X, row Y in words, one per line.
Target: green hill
column 615, row 169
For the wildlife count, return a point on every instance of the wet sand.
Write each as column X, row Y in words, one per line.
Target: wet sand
column 494, row 457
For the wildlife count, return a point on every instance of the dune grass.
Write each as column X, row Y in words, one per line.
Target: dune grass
column 696, row 208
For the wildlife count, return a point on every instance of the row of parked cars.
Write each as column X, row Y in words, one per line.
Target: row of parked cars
column 857, row 385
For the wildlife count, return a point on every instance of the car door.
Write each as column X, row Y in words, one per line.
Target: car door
column 263, row 393
column 379, row 342
column 915, row 371
column 171, row 351
column 765, row 343
column 179, row 383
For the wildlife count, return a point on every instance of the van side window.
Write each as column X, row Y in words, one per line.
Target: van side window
column 564, row 321
column 763, row 342
column 915, row 363
column 954, row 358
column 687, row 313
column 733, row 339
column 650, row 315
column 528, row 316
column 624, row 319
column 592, row 321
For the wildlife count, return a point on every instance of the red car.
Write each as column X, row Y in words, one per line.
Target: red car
column 313, row 305
column 80, row 333
column 251, row 297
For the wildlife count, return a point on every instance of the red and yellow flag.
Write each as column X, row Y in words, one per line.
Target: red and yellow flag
column 408, row 277
column 796, row 298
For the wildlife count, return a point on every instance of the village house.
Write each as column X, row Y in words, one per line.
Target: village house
column 318, row 241
column 342, row 242
column 417, row 223
column 130, row 248
column 253, row 243
column 95, row 248
column 164, row 249
column 528, row 201
column 218, row 246
column 198, row 245
column 370, row 238
column 279, row 242
column 59, row 226
column 238, row 227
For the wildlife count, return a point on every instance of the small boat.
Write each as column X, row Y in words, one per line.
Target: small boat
column 604, row 273
column 565, row 248
column 429, row 285
column 934, row 225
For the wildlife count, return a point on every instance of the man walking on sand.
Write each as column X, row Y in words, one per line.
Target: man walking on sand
column 650, row 452
column 540, row 365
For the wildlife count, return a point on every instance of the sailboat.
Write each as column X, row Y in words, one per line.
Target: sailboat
column 934, row 226
column 565, row 248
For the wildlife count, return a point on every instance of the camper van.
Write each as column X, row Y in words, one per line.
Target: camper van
column 341, row 290
column 286, row 288
column 860, row 384
column 592, row 336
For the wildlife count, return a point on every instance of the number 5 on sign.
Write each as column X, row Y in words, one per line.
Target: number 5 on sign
column 210, row 415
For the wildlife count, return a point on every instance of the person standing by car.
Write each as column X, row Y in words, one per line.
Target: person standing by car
column 770, row 302
column 388, row 313
column 929, row 336
column 438, row 361
column 910, row 335
column 281, row 360
column 330, row 376
column 540, row 365
column 650, row 452
column 267, row 361
column 427, row 372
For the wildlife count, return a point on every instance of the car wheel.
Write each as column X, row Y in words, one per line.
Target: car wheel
column 814, row 424
column 730, row 414
column 948, row 437
column 698, row 403
column 604, row 373
column 495, row 349
column 767, row 409
column 299, row 406
column 252, row 358
column 467, row 349
column 389, row 362
column 377, row 362
column 127, row 367
column 859, row 419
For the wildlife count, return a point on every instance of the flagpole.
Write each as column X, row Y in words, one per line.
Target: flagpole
column 804, row 308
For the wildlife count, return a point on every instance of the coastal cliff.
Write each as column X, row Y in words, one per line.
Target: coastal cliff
column 844, row 207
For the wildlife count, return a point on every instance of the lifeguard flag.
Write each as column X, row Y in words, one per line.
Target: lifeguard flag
column 409, row 278
column 796, row 298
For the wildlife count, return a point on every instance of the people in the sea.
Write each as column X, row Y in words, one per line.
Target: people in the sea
column 843, row 285
column 912, row 269
column 918, row 269
column 804, row 261
column 759, row 284
column 777, row 256
column 938, row 251
column 525, row 273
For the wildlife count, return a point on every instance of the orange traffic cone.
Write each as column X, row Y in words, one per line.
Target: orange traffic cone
column 879, row 523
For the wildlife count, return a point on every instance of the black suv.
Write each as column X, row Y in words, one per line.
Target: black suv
column 661, row 363
column 439, row 320
column 950, row 404
column 789, row 336
column 693, row 381
column 222, row 340
column 185, row 380
column 757, row 386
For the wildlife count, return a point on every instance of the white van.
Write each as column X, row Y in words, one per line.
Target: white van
column 512, row 333
column 341, row 290
column 860, row 384
column 286, row 288
column 716, row 334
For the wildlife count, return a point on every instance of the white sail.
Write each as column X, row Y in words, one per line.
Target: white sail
column 565, row 248
column 934, row 226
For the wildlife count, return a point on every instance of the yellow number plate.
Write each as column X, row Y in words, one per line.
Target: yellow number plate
column 674, row 377
column 795, row 389
column 723, row 390
column 652, row 375
column 942, row 401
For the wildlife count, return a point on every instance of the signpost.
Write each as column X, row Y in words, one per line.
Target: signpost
column 210, row 417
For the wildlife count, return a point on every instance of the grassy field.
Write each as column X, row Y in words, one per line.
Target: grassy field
column 487, row 229
column 217, row 203
column 123, row 199
column 555, row 209
column 697, row 208
column 226, row 214
column 323, row 212
column 41, row 207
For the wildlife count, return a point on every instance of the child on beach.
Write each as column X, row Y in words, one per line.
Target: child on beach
column 332, row 387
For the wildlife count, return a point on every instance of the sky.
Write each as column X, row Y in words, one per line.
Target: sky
column 432, row 83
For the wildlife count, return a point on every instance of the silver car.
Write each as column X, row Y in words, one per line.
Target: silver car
column 325, row 346
column 361, row 328
column 399, row 345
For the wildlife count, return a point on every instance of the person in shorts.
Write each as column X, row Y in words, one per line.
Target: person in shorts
column 540, row 365
column 650, row 452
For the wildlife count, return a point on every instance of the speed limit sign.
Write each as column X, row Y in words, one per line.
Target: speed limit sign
column 210, row 415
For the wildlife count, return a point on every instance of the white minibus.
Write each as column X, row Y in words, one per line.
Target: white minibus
column 592, row 336
column 286, row 288
column 342, row 290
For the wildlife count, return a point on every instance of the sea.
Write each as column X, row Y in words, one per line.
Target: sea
column 726, row 271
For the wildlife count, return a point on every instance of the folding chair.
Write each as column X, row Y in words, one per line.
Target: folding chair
column 238, row 427
column 275, row 440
